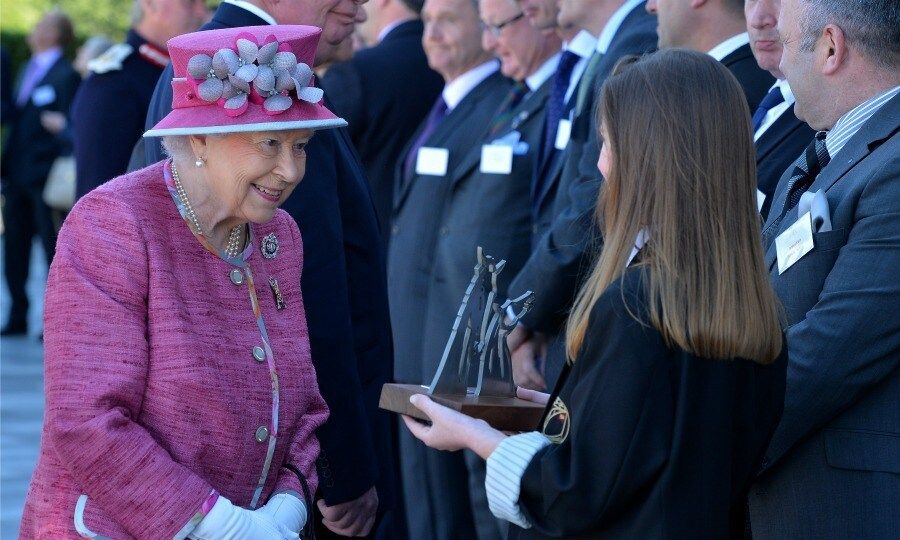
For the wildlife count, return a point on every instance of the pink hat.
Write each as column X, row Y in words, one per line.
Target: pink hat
column 255, row 78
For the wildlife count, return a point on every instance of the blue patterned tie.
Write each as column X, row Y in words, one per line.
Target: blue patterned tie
column 435, row 117
column 556, row 105
column 772, row 99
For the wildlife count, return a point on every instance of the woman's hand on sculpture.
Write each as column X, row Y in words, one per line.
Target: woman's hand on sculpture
column 452, row 430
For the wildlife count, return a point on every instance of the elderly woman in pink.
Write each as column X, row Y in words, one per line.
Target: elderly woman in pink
column 181, row 400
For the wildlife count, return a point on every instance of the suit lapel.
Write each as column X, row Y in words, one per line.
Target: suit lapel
column 783, row 127
column 532, row 104
column 880, row 127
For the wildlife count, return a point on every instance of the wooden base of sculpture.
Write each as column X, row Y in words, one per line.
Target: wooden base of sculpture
column 503, row 413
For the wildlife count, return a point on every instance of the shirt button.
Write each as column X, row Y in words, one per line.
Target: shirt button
column 237, row 277
column 262, row 433
column 259, row 353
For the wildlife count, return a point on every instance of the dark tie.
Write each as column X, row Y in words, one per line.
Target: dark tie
column 557, row 102
column 806, row 169
column 432, row 121
column 509, row 103
column 773, row 98
column 587, row 81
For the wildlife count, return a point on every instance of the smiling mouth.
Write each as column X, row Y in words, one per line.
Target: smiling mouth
column 273, row 194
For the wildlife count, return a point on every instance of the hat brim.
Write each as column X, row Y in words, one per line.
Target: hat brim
column 212, row 120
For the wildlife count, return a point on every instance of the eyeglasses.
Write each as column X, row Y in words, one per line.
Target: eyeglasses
column 495, row 29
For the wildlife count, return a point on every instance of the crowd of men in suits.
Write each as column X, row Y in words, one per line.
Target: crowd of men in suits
column 472, row 123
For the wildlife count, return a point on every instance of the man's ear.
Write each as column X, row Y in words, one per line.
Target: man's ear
column 834, row 52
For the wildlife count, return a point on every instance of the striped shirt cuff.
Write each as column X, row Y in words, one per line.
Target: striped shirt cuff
column 505, row 467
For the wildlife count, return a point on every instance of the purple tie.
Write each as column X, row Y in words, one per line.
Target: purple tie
column 29, row 79
column 557, row 102
column 434, row 119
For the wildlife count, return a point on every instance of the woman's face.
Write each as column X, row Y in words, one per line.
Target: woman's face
column 249, row 175
column 605, row 161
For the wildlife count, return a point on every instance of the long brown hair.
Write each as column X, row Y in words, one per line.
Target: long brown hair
column 684, row 170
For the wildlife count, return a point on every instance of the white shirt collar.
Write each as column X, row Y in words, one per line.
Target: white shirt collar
column 851, row 122
column 457, row 89
column 583, row 44
column 773, row 114
column 720, row 51
column 387, row 29
column 256, row 10
column 639, row 243
column 785, row 90
column 540, row 76
column 613, row 24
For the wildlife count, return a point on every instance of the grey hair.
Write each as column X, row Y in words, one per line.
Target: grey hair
column 872, row 27
column 137, row 12
column 178, row 147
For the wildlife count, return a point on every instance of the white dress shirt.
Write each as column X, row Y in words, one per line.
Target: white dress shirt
column 775, row 112
column 584, row 45
column 615, row 21
column 720, row 51
column 457, row 89
column 258, row 11
column 543, row 73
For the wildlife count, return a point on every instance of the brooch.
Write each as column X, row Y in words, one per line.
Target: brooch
column 276, row 292
column 269, row 246
column 556, row 426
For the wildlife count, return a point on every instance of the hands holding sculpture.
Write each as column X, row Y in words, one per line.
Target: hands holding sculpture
column 526, row 350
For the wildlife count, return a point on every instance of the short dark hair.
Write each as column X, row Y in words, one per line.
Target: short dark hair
column 415, row 5
column 64, row 29
column 872, row 27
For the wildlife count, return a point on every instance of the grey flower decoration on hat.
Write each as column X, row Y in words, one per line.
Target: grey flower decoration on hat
column 263, row 74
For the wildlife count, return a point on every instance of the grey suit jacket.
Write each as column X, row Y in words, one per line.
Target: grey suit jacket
column 488, row 210
column 833, row 466
column 418, row 223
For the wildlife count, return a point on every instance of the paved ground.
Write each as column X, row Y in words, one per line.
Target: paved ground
column 21, row 400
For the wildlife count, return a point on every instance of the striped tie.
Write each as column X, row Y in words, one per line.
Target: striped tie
column 506, row 108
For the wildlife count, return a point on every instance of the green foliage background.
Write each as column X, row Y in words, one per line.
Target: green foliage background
column 91, row 17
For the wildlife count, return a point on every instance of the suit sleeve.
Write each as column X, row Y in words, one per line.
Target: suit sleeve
column 850, row 340
column 621, row 426
column 343, row 86
column 563, row 253
column 96, row 365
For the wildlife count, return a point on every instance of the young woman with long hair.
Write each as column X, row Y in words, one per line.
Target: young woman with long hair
column 677, row 361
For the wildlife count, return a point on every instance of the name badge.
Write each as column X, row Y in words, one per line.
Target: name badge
column 795, row 242
column 432, row 161
column 563, row 133
column 43, row 95
column 496, row 158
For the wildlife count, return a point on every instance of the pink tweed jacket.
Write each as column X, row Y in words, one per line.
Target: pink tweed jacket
column 171, row 374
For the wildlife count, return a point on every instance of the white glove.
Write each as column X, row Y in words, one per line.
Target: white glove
column 226, row 521
column 287, row 511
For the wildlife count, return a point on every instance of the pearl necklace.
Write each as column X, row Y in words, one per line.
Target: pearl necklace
column 233, row 247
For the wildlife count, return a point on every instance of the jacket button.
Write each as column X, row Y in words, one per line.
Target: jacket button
column 237, row 277
column 259, row 353
column 262, row 433
column 445, row 231
column 395, row 229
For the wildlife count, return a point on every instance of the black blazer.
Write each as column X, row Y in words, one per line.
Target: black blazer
column 654, row 441
column 777, row 149
column 108, row 117
column 384, row 93
column 753, row 79
column 344, row 295
column 30, row 149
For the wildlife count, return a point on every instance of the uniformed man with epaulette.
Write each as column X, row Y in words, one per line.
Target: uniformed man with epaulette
column 111, row 105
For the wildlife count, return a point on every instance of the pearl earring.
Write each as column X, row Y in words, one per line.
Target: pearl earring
column 199, row 163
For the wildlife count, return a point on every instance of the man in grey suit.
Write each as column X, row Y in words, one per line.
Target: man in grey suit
column 436, row 484
column 832, row 238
